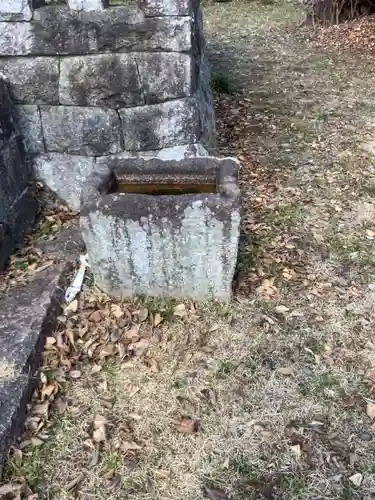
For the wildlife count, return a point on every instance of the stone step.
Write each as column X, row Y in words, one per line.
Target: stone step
column 28, row 314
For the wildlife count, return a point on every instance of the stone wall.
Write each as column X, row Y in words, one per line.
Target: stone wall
column 91, row 80
column 17, row 203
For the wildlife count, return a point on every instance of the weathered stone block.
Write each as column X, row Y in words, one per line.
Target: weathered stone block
column 30, row 127
column 17, row 201
column 65, row 175
column 160, row 126
column 32, row 80
column 103, row 80
column 87, row 5
column 172, row 153
column 118, row 80
column 15, row 10
column 177, row 245
column 16, row 39
column 59, row 30
column 7, row 122
column 154, row 8
column 81, row 131
column 14, row 175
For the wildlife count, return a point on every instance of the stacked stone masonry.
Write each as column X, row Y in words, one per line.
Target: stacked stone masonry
column 91, row 80
column 17, row 202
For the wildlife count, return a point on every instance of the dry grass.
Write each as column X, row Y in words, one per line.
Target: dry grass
column 7, row 370
column 278, row 379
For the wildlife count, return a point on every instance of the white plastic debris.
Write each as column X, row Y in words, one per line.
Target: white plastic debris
column 76, row 286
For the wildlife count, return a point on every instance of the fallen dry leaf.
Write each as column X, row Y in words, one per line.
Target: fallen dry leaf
column 139, row 348
column 50, row 341
column 157, row 319
column 75, row 482
column 95, row 317
column 143, row 314
column 187, row 425
column 370, row 410
column 61, row 405
column 356, row 479
column 99, row 421
column 215, row 494
column 180, row 311
column 116, row 311
column 41, row 409
column 281, row 309
column 34, row 441
column 75, row 374
column 296, row 449
column 130, row 446
column 10, row 489
column 72, row 307
column 132, row 334
column 285, row 370
column 99, row 435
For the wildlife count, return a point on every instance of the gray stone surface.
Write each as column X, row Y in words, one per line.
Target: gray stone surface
column 102, row 80
column 16, row 39
column 67, row 246
column 15, row 10
column 172, row 153
column 81, row 131
column 28, row 314
column 32, row 80
column 30, row 127
column 59, row 30
column 160, row 126
column 64, row 174
column 166, row 7
column 171, row 245
column 118, row 80
column 86, row 5
column 17, row 202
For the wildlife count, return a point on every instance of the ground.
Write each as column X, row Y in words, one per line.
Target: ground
column 270, row 396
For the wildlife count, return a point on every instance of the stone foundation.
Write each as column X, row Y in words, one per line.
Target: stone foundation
column 163, row 228
column 17, row 202
column 91, row 81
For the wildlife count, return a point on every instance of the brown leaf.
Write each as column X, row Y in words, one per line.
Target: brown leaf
column 99, row 435
column 116, row 311
column 142, row 314
column 99, row 421
column 281, row 309
column 187, row 425
column 10, row 489
column 132, row 334
column 95, row 317
column 74, row 483
column 71, row 307
column 216, row 494
column 48, row 390
column 370, row 410
column 285, row 370
column 75, row 374
column 41, row 409
column 130, row 446
column 34, row 441
column 69, row 333
column 139, row 348
column 153, row 364
column 180, row 311
column 61, row 405
column 50, row 341
column 157, row 319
